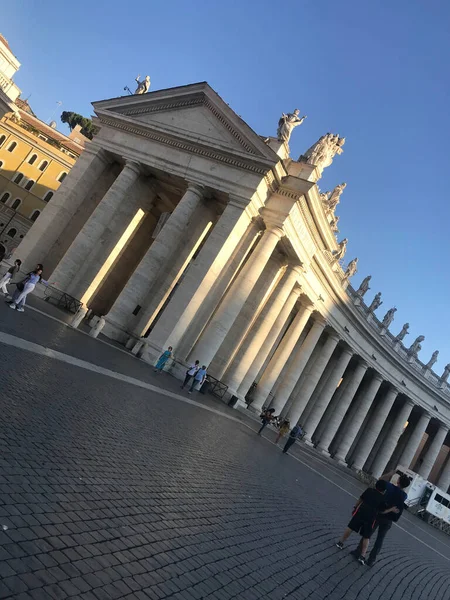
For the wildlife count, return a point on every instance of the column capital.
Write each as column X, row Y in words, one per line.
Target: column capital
column 275, row 229
column 132, row 166
column 196, row 188
column 408, row 401
column 444, row 426
column 296, row 268
column 297, row 290
column 97, row 151
column 345, row 349
column 377, row 376
column 333, row 335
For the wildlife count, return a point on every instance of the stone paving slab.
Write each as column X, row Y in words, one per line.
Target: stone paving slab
column 108, row 490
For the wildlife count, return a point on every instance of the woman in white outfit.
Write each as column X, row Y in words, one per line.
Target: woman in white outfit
column 25, row 287
column 6, row 279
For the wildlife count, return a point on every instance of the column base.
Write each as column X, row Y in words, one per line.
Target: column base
column 323, row 452
column 115, row 332
column 254, row 409
column 340, row 461
column 308, row 442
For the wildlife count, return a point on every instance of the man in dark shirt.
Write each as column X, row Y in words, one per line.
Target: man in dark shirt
column 295, row 434
column 364, row 517
column 395, row 497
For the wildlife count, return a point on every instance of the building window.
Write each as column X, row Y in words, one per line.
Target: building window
column 6, row 196
column 29, row 184
column 12, row 147
column 43, row 165
column 2, row 139
column 43, row 137
column 12, row 232
column 17, row 202
column 18, row 178
column 32, row 159
column 35, row 215
column 1, row 164
column 48, row 196
column 62, row 176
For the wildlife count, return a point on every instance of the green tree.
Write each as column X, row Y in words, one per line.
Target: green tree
column 72, row 119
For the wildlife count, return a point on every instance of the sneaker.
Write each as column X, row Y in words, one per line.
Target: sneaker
column 20, row 309
column 362, row 560
column 12, row 305
column 189, row 392
column 340, row 545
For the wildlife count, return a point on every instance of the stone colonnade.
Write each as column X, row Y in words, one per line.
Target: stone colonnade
column 181, row 265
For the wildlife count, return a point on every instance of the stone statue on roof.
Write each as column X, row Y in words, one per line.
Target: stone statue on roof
column 334, row 198
column 446, row 373
column 287, row 123
column 143, row 86
column 340, row 253
column 364, row 287
column 351, row 268
column 415, row 347
column 403, row 332
column 432, row 360
column 376, row 302
column 389, row 317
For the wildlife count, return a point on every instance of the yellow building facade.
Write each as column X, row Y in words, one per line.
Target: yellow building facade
column 34, row 161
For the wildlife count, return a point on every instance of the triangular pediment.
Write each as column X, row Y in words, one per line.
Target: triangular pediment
column 193, row 113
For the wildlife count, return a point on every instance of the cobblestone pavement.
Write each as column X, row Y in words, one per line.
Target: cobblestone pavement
column 110, row 491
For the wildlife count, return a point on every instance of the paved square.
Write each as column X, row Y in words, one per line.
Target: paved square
column 109, row 490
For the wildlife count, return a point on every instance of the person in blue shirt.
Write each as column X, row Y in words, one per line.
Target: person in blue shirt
column 199, row 379
column 395, row 497
column 295, row 434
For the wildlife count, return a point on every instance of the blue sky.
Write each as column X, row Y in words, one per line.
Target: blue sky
column 376, row 73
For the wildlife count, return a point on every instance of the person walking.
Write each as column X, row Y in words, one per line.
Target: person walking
column 283, row 429
column 369, row 507
column 395, row 497
column 190, row 373
column 296, row 433
column 163, row 359
column 25, row 287
column 5, row 280
column 199, row 379
column 266, row 417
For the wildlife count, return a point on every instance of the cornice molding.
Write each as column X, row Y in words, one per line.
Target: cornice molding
column 181, row 144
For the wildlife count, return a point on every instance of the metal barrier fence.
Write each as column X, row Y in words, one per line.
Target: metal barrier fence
column 61, row 299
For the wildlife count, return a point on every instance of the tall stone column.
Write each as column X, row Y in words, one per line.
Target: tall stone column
column 358, row 419
column 328, row 390
column 199, row 279
column 140, row 287
column 262, row 354
column 345, row 401
column 222, row 282
column 433, row 451
column 391, row 441
column 95, row 228
column 259, row 336
column 444, row 479
column 373, row 429
column 279, row 359
column 414, row 441
column 61, row 208
column 298, row 364
column 317, row 369
column 238, row 293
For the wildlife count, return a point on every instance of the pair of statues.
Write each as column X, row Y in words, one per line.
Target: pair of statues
column 321, row 153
